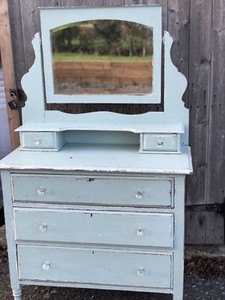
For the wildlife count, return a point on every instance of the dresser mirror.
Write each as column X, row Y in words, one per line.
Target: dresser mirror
column 102, row 57
column 93, row 56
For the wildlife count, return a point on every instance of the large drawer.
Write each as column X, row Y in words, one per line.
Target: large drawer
column 118, row 191
column 139, row 229
column 96, row 266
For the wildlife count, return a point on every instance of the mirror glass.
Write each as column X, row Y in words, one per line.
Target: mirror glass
column 102, row 57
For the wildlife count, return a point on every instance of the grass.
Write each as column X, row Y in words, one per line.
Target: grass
column 85, row 57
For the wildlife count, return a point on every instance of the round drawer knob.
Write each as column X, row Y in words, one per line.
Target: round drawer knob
column 46, row 266
column 160, row 143
column 37, row 141
column 41, row 191
column 140, row 231
column 43, row 227
column 139, row 195
column 141, row 272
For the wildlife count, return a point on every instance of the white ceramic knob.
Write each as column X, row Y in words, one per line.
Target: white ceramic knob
column 139, row 195
column 37, row 141
column 141, row 272
column 46, row 266
column 140, row 231
column 41, row 191
column 160, row 143
column 43, row 227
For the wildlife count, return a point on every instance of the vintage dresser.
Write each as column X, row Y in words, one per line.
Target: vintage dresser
column 96, row 200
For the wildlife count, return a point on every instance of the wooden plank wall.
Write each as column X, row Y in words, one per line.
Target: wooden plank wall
column 6, row 59
column 198, row 30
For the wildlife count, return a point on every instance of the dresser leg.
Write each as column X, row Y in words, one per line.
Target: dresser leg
column 17, row 294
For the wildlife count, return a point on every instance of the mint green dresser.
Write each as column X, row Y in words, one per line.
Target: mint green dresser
column 96, row 200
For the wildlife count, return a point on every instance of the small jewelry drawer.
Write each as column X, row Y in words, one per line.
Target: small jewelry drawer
column 133, row 229
column 160, row 142
column 113, row 191
column 51, row 141
column 95, row 266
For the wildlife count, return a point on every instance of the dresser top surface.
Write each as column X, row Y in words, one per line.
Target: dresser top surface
column 110, row 126
column 100, row 158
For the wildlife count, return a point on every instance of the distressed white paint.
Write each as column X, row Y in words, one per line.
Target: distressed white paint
column 100, row 158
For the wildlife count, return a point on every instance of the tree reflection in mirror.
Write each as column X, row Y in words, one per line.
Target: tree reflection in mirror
column 102, row 57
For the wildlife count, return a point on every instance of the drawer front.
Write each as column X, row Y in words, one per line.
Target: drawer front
column 37, row 140
column 139, row 229
column 96, row 266
column 93, row 190
column 160, row 142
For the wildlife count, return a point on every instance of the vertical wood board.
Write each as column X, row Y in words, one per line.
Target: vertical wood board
column 8, row 71
column 216, row 156
column 199, row 83
column 179, row 28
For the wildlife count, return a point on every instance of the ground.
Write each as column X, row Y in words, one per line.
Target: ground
column 204, row 280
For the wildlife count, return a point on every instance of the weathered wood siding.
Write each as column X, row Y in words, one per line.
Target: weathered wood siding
column 198, row 30
column 7, row 63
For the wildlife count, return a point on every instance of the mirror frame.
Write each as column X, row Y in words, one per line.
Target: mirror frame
column 55, row 17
